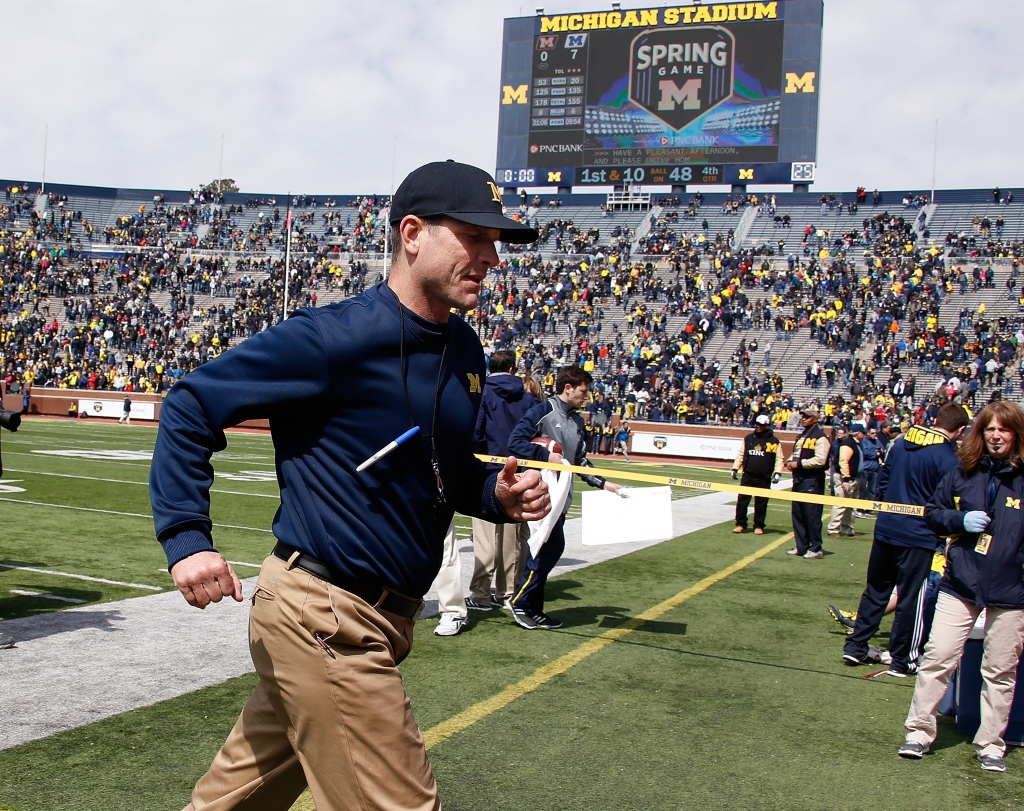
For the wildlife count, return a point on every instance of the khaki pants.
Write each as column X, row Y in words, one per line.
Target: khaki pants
column 343, row 723
column 451, row 602
column 493, row 543
column 1004, row 640
column 842, row 517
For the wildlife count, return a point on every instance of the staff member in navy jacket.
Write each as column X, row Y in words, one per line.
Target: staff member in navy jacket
column 334, row 607
column 979, row 506
column 904, row 545
column 499, row 550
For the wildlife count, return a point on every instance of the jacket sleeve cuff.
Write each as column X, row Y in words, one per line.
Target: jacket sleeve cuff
column 490, row 507
column 184, row 544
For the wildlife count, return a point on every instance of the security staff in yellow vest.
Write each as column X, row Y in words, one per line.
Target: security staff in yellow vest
column 760, row 462
column 808, row 464
column 607, row 435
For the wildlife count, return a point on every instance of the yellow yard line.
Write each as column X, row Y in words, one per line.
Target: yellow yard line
column 471, row 715
column 465, row 719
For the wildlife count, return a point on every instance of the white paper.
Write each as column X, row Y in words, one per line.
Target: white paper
column 559, row 485
column 644, row 515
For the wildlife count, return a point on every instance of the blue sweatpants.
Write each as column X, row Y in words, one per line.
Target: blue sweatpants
column 530, row 592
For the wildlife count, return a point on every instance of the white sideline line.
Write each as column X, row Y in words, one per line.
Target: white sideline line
column 243, row 563
column 70, row 507
column 81, row 577
column 23, row 593
column 117, row 512
column 125, row 481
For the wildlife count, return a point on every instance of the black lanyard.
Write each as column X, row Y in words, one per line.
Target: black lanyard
column 439, row 500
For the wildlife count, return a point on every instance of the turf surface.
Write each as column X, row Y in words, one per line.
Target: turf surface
column 735, row 699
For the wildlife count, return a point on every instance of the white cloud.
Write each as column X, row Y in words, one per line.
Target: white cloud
column 311, row 96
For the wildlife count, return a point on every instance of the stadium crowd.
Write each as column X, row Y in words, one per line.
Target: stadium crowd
column 679, row 326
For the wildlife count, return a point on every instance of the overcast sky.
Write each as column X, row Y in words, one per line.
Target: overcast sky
column 315, row 96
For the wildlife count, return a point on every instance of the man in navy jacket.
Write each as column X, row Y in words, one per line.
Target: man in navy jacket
column 334, row 607
column 504, row 403
column 904, row 545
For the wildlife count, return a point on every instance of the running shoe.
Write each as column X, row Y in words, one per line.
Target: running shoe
column 848, row 619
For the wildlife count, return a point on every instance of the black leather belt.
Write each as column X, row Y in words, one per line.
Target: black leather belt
column 376, row 596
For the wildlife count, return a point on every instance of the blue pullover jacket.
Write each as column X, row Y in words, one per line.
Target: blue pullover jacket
column 330, row 382
column 505, row 402
column 913, row 469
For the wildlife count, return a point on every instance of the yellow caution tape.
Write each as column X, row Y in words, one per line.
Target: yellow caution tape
column 699, row 484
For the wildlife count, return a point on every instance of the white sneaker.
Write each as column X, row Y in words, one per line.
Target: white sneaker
column 450, row 625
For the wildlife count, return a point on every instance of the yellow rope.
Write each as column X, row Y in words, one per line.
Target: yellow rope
column 699, row 484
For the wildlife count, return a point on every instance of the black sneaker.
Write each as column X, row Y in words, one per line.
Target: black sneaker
column 524, row 619
column 544, row 621
column 473, row 605
column 853, row 660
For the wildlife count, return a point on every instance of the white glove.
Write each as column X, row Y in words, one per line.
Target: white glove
column 976, row 521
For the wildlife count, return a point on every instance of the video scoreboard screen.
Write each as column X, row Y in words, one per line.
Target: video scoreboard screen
column 689, row 95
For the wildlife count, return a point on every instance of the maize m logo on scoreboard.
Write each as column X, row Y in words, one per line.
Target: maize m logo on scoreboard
column 679, row 75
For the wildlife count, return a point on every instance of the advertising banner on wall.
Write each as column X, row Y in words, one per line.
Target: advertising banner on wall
column 695, row 447
column 115, row 408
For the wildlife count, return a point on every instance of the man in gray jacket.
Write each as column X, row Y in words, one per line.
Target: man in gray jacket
column 556, row 419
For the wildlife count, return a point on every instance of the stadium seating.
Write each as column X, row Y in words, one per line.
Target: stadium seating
column 177, row 277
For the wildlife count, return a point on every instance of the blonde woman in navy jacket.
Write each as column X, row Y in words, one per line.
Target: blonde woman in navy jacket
column 978, row 505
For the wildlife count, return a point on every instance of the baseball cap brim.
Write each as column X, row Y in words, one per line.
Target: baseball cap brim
column 511, row 231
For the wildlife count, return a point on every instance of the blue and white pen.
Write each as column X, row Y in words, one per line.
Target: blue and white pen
column 388, row 448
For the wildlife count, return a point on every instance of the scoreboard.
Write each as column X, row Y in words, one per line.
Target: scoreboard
column 699, row 94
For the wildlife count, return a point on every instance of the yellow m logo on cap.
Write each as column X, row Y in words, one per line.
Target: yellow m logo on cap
column 1013, row 503
column 495, row 191
column 474, row 383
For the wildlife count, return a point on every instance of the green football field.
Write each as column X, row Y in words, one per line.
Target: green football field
column 730, row 694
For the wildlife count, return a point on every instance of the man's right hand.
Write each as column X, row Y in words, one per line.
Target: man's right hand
column 205, row 578
column 555, row 458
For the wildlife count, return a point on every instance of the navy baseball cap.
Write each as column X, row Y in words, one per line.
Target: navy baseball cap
column 459, row 191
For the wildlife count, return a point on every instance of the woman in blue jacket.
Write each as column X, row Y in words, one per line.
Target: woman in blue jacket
column 978, row 505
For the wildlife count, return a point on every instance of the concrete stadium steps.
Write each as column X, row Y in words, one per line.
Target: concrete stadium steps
column 104, row 212
column 836, row 221
column 584, row 218
column 959, row 217
column 691, row 227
